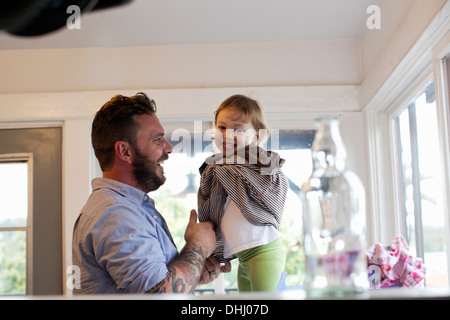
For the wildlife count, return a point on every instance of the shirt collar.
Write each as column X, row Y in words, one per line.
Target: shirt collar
column 132, row 193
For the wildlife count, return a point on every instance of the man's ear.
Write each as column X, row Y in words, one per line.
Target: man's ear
column 122, row 150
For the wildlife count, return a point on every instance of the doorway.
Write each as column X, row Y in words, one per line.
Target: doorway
column 44, row 145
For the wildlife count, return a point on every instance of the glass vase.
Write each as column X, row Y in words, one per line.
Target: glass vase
column 333, row 201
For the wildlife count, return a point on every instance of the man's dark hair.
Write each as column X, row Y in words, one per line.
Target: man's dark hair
column 115, row 122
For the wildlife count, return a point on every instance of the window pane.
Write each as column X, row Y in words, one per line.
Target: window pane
column 13, row 194
column 407, row 179
column 13, row 262
column 424, row 216
column 431, row 192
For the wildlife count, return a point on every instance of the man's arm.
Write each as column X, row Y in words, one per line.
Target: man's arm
column 184, row 272
column 187, row 267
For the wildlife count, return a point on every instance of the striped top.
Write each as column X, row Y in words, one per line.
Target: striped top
column 254, row 182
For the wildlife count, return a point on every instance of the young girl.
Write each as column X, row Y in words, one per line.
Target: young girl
column 242, row 191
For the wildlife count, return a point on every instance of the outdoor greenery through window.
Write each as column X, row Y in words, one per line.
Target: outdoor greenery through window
column 13, row 227
column 178, row 196
column 422, row 196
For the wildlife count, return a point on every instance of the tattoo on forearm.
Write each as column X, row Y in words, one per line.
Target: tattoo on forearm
column 184, row 272
column 159, row 288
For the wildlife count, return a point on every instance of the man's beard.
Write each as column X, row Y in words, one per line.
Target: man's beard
column 144, row 170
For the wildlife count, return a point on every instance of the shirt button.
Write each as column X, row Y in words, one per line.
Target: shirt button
column 155, row 217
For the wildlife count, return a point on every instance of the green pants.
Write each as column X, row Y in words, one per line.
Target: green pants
column 260, row 268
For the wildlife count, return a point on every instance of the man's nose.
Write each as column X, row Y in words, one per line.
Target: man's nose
column 168, row 147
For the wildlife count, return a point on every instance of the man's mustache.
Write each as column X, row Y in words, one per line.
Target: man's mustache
column 164, row 157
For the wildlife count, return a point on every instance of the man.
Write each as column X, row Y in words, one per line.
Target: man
column 121, row 243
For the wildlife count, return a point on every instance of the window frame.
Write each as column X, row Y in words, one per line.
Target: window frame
column 441, row 72
column 27, row 158
column 396, row 157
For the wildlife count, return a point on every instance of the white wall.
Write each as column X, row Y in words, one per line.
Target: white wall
column 188, row 66
column 402, row 24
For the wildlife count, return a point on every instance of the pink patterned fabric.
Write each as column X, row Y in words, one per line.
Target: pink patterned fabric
column 394, row 266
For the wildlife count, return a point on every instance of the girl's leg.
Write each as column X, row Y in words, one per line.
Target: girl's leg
column 263, row 266
column 243, row 278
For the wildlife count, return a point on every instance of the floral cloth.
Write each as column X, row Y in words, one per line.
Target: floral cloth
column 394, row 266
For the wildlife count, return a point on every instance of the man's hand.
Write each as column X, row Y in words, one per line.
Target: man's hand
column 213, row 269
column 186, row 269
column 200, row 234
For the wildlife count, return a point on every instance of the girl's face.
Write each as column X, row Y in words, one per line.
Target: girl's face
column 233, row 131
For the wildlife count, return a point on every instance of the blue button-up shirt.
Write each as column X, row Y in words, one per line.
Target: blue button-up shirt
column 120, row 241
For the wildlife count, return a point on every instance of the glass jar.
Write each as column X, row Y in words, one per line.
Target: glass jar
column 333, row 219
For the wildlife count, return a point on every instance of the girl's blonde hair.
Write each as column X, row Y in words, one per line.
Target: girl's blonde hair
column 250, row 109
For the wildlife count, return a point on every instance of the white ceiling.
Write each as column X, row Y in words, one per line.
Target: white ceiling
column 175, row 22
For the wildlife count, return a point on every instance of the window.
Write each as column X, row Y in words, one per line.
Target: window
column 15, row 225
column 423, row 211
column 408, row 138
column 178, row 195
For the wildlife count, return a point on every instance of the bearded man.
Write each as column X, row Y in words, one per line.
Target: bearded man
column 121, row 243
